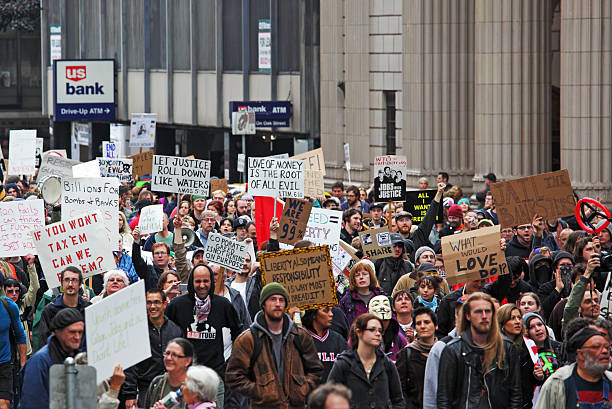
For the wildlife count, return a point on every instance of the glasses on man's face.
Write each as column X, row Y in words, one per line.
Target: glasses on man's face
column 524, row 228
column 70, row 280
column 173, row 355
column 372, row 329
column 351, row 195
column 599, row 347
column 160, row 253
column 155, row 302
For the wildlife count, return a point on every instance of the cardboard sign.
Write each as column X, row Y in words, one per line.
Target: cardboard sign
column 473, row 255
column 180, row 175
column 293, row 221
column 81, row 195
column 276, row 177
column 89, row 169
column 313, row 184
column 151, row 219
column 218, row 184
column 79, row 242
column 389, row 178
column 22, row 152
column 376, row 243
column 305, row 273
column 17, row 219
column 548, row 195
column 111, row 150
column 117, row 331
column 225, row 252
column 116, row 168
column 417, row 203
column 313, row 160
column 142, row 163
column 142, row 130
column 53, row 165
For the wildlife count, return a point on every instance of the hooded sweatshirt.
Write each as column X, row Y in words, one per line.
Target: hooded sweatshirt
column 542, row 274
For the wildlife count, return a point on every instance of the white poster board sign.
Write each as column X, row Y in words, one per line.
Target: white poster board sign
column 151, row 219
column 347, row 157
column 225, row 252
column 142, row 130
column 22, row 152
column 240, row 162
column 89, row 169
column 111, row 150
column 117, row 331
column 17, row 219
column 79, row 242
column 39, row 152
column 116, row 168
column 276, row 177
column 180, row 175
column 323, row 228
column 54, row 165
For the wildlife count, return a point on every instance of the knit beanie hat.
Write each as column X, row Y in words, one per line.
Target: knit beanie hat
column 66, row 317
column 423, row 249
column 455, row 211
column 529, row 316
column 270, row 290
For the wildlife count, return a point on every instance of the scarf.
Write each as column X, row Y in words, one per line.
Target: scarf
column 56, row 352
column 421, row 346
column 202, row 308
column 202, row 405
column 432, row 305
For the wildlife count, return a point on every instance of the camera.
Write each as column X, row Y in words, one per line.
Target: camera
column 605, row 259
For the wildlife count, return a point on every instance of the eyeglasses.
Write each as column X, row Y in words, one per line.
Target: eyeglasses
column 379, row 330
column 71, row 280
column 160, row 253
column 599, row 348
column 156, row 302
column 173, row 355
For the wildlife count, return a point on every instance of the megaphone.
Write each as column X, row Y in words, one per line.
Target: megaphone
column 188, row 236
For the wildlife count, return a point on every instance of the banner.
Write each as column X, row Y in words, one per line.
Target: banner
column 142, row 163
column 117, row 331
column 53, row 165
column 111, row 150
column 22, row 152
column 78, row 242
column 142, row 130
column 218, row 184
column 180, row 175
column 17, row 218
column 313, row 160
column 293, row 220
column 473, row 255
column 225, row 252
column 417, row 203
column 82, row 195
column 376, row 243
column 548, row 195
column 313, row 184
column 116, row 168
column 389, row 178
column 305, row 273
column 276, row 177
column 151, row 219
column 264, row 211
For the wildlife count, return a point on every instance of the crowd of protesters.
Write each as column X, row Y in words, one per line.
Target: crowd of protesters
column 401, row 336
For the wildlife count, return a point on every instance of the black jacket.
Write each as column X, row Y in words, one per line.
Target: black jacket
column 412, row 376
column 346, row 236
column 139, row 376
column 389, row 270
column 461, row 379
column 528, row 381
column 420, row 237
column 50, row 311
column 514, row 293
column 149, row 273
column 549, row 296
column 514, row 248
column 381, row 391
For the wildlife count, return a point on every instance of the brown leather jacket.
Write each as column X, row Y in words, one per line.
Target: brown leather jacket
column 302, row 369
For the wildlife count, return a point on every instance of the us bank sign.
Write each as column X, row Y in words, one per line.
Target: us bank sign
column 83, row 90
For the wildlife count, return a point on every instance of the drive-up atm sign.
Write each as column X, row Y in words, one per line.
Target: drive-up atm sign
column 84, row 90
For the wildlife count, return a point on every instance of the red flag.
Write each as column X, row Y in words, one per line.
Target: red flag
column 264, row 211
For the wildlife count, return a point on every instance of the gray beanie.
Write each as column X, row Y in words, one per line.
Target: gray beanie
column 608, row 227
column 421, row 250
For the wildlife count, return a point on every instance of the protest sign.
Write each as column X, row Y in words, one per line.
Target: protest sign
column 313, row 184
column 142, row 130
column 606, row 300
column 39, row 152
column 117, row 331
column 111, row 150
column 16, row 221
column 324, row 227
column 142, row 163
column 313, row 160
column 81, row 195
column 218, row 184
column 53, row 165
column 151, row 219
column 305, row 273
column 180, row 175
column 79, row 242
column 225, row 252
column 117, row 168
column 240, row 163
column 389, row 178
column 473, row 255
column 417, row 203
column 89, row 169
column 22, row 152
column 276, row 177
column 376, row 243
column 293, row 221
column 548, row 195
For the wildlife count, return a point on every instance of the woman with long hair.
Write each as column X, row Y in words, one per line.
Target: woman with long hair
column 363, row 286
column 509, row 319
column 125, row 232
column 366, row 370
column 530, row 302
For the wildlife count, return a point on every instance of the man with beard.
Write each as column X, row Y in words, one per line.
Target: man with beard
column 271, row 348
column 523, row 241
column 479, row 369
column 390, row 269
column 583, row 384
column 353, row 201
column 420, row 237
column 455, row 221
column 242, row 208
column 352, row 225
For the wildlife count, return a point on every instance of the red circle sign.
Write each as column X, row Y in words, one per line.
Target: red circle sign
column 588, row 202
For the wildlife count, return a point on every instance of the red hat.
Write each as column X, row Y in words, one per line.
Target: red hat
column 455, row 210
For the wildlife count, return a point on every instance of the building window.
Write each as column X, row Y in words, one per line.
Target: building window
column 390, row 121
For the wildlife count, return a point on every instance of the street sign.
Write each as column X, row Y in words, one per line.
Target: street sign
column 84, row 90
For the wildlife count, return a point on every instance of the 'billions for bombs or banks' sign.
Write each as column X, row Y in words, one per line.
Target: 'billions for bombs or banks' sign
column 276, row 177
column 180, row 175
column 305, row 273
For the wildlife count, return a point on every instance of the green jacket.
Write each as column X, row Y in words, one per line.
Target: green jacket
column 573, row 302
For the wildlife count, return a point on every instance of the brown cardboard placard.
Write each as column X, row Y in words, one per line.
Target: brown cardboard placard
column 548, row 195
column 376, row 243
column 349, row 249
column 293, row 220
column 313, row 160
column 313, row 184
column 305, row 273
column 473, row 255
column 218, row 184
column 142, row 163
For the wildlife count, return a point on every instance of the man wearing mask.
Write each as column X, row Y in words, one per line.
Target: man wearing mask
column 540, row 270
